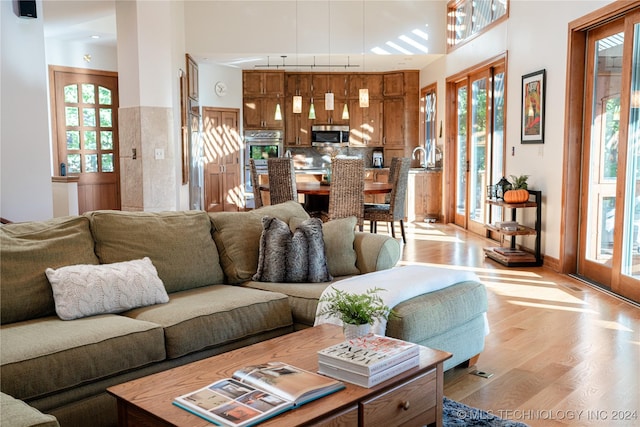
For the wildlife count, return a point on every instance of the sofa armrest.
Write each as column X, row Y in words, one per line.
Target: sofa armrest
column 16, row 413
column 375, row 252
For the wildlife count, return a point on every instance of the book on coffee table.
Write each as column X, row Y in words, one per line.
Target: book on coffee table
column 369, row 354
column 256, row 393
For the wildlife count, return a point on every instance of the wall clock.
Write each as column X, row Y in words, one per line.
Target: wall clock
column 221, row 88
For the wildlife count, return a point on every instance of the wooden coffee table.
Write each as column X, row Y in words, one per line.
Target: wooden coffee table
column 411, row 398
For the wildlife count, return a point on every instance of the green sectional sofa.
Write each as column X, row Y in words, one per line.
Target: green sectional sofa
column 205, row 262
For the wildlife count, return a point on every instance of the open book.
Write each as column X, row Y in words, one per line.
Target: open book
column 256, row 393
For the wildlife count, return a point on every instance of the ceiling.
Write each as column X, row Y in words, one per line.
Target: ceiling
column 317, row 35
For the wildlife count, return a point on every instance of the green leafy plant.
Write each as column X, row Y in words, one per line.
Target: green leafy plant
column 519, row 182
column 356, row 309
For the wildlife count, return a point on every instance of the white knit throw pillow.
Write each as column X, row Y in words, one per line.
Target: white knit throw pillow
column 86, row 290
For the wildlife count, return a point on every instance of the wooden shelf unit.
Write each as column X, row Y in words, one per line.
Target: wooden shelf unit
column 519, row 258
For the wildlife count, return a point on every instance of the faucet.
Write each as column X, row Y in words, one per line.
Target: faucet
column 424, row 155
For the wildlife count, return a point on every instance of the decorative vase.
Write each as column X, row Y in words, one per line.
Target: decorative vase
column 352, row 331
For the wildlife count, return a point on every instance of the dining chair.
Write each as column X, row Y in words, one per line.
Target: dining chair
column 394, row 210
column 255, row 184
column 346, row 194
column 282, row 180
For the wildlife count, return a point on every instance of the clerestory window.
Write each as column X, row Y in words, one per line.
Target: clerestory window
column 468, row 18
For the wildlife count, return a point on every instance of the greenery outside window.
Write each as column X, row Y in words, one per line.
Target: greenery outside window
column 468, row 18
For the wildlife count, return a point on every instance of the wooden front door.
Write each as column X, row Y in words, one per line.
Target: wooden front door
column 221, row 160
column 85, row 123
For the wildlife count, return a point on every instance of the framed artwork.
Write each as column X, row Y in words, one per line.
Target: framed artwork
column 533, row 111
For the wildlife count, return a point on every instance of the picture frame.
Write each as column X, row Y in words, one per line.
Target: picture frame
column 533, row 114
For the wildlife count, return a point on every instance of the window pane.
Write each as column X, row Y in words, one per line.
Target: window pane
column 104, row 95
column 107, row 163
column 461, row 182
column 477, row 155
column 90, row 140
column 105, row 117
column 499, row 8
column 88, row 93
column 91, row 163
column 106, row 140
column 73, row 163
column 89, row 116
column 71, row 93
column 481, row 15
column 73, row 140
column 71, row 114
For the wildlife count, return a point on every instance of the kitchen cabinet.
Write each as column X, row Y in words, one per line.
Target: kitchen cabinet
column 366, row 124
column 376, row 175
column 297, row 125
column 511, row 256
column 394, row 122
column 394, row 84
column 259, row 113
column 373, row 82
column 263, row 83
column 424, row 195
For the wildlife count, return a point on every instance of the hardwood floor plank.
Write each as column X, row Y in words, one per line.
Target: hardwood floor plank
column 562, row 353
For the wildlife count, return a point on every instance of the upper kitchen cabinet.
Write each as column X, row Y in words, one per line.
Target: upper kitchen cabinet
column 260, row 112
column 372, row 82
column 365, row 123
column 263, row 83
column 336, row 83
column 394, row 84
column 298, row 84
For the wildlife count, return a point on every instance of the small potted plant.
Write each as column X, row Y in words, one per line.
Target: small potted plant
column 357, row 311
column 518, row 192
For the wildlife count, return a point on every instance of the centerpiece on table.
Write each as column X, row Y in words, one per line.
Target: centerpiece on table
column 358, row 312
column 518, row 193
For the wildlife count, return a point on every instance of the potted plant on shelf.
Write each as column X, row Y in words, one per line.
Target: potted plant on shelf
column 357, row 311
column 518, row 192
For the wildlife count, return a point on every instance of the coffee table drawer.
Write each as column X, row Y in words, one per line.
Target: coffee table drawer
column 406, row 404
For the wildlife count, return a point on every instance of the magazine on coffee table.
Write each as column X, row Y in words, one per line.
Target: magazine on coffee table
column 256, row 393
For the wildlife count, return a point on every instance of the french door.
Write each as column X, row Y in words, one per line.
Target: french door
column 478, row 132
column 609, row 250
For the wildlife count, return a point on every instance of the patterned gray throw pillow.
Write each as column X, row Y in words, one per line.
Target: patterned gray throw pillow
column 292, row 258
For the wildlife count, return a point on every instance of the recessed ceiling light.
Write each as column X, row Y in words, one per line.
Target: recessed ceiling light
column 95, row 36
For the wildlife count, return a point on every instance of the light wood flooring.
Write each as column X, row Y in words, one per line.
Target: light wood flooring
column 561, row 352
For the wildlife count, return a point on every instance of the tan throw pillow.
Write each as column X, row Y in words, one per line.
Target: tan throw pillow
column 85, row 290
column 338, row 235
column 287, row 257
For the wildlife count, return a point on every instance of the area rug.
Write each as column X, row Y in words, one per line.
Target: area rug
column 456, row 414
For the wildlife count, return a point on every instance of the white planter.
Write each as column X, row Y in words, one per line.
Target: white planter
column 355, row 331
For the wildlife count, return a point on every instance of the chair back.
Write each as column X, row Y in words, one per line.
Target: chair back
column 346, row 196
column 255, row 184
column 282, row 180
column 399, row 177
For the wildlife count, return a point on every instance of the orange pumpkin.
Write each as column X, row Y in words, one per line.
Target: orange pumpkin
column 516, row 196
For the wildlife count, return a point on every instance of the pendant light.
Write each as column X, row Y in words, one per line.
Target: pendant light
column 345, row 110
column 278, row 115
column 363, row 94
column 297, row 99
column 312, row 108
column 328, row 97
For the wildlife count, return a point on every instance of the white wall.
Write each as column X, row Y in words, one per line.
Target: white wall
column 535, row 38
column 25, row 154
column 70, row 54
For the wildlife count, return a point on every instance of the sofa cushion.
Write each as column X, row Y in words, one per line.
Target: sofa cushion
column 178, row 243
column 237, row 236
column 26, row 250
column 431, row 314
column 339, row 236
column 47, row 355
column 16, row 413
column 209, row 317
column 85, row 290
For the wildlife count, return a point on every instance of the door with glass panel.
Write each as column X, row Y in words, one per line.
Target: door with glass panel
column 609, row 250
column 86, row 135
column 479, row 147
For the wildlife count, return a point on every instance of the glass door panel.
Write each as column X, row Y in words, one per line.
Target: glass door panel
column 497, row 143
column 461, row 155
column 478, row 154
column 630, row 265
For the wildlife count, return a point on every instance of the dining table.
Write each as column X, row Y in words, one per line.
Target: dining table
column 316, row 193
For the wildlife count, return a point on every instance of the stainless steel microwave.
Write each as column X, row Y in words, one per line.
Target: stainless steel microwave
column 329, row 135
